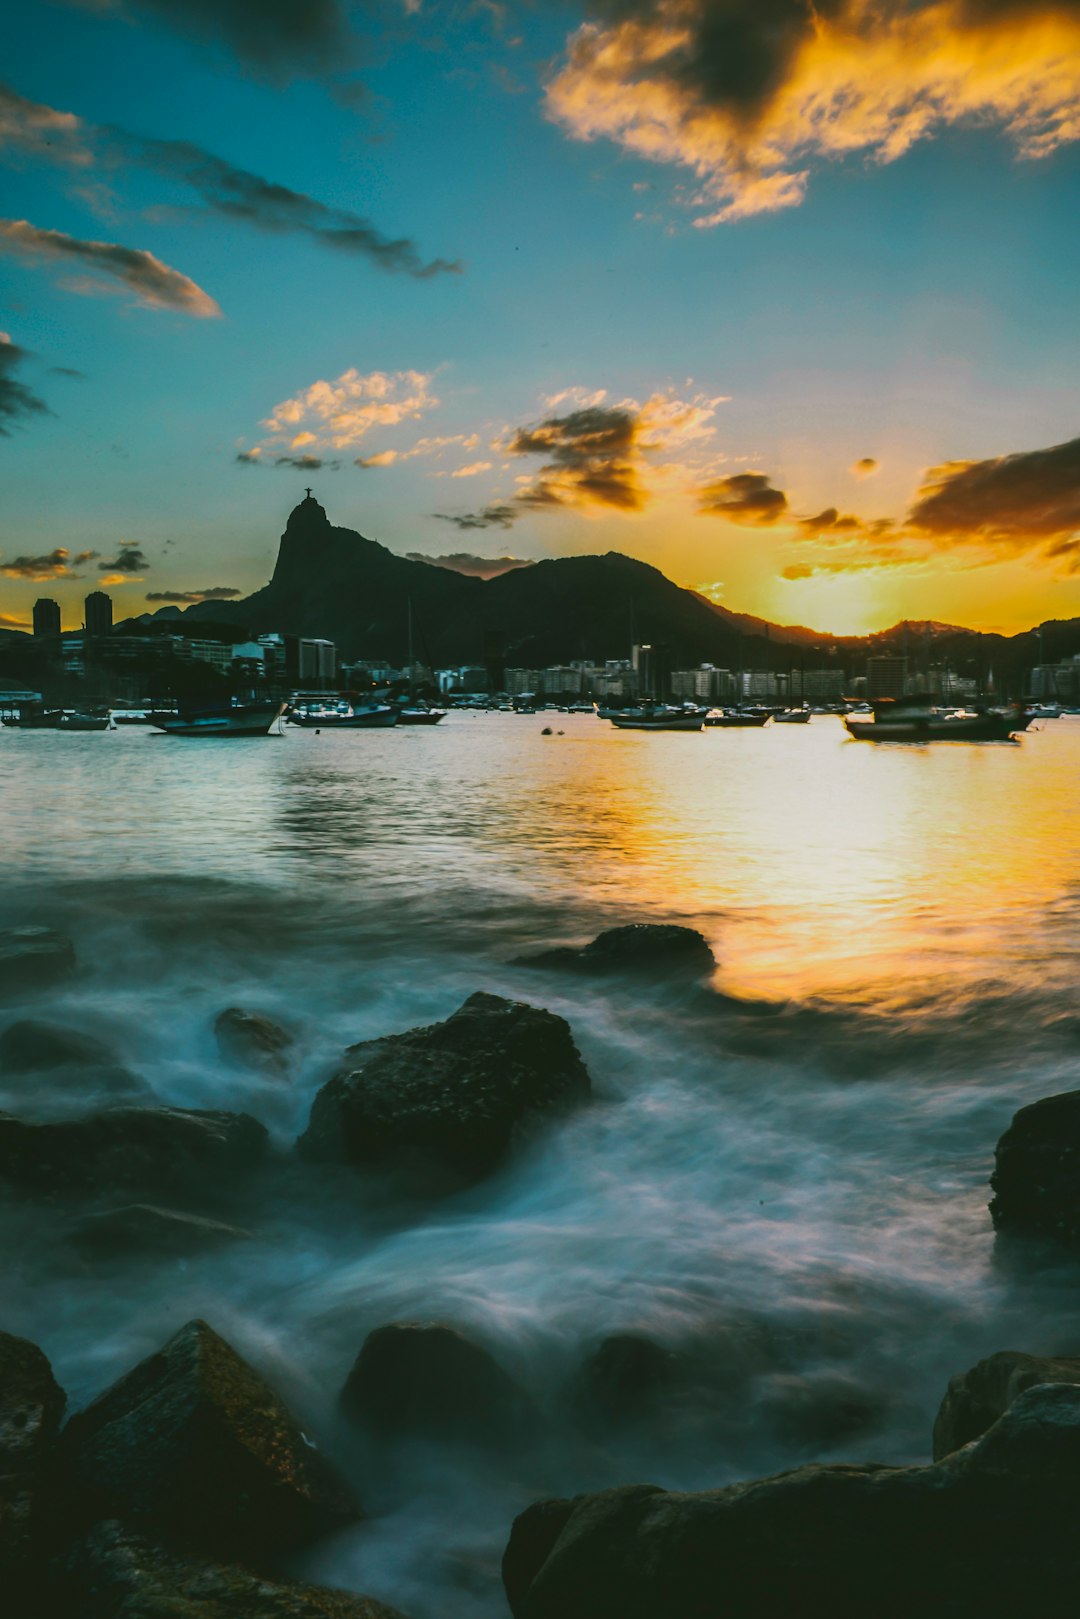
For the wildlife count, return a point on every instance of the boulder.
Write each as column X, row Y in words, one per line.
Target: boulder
column 48, row 1062
column 1036, row 1177
column 657, row 950
column 427, row 1380
column 115, row 1573
column 196, row 1448
column 988, row 1531
column 138, row 1151
column 248, row 1037
column 453, row 1094
column 31, row 957
column 31, row 1406
column 976, row 1399
column 621, row 1379
column 146, row 1229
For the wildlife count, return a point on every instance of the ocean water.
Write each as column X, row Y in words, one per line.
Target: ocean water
column 783, row 1175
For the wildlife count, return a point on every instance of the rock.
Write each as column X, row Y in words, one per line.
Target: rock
column 143, row 1228
column 194, row 1446
column 250, row 1038
column 115, row 1574
column 453, row 1094
column 33, row 956
column 427, row 1380
column 976, row 1399
column 621, row 1379
column 31, row 1406
column 1036, row 1178
column 47, row 1061
column 137, row 1151
column 655, row 949
column 989, row 1531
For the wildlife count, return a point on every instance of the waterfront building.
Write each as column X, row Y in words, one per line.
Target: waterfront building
column 98, row 617
column 817, row 685
column 1056, row 682
column 886, row 677
column 310, row 661
column 46, row 619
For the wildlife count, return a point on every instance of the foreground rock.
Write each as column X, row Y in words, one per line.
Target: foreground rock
column 32, row 957
column 31, row 1406
column 655, row 949
column 144, row 1228
column 116, row 1574
column 48, row 1063
column 194, row 1446
column 622, row 1379
column 250, row 1038
column 426, row 1380
column 453, row 1094
column 1036, row 1177
column 976, row 1399
column 138, row 1151
column 988, row 1531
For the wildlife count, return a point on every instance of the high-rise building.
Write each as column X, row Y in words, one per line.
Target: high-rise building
column 98, row 610
column 46, row 619
column 886, row 677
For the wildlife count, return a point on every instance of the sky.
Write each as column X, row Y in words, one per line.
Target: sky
column 782, row 300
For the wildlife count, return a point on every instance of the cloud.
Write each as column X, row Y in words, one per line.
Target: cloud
column 17, row 401
column 338, row 415
column 495, row 516
column 305, row 463
column 472, row 469
column 466, row 562
column 7, row 622
column 249, row 458
column 1018, row 502
column 155, row 285
column 747, row 498
column 751, row 95
column 39, row 131
column 281, row 39
column 128, row 559
column 67, row 371
column 385, row 458
column 215, row 593
column 866, row 467
column 54, row 564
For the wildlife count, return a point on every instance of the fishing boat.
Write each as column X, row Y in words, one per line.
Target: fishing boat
column 657, row 720
column 73, row 721
column 738, row 717
column 420, row 714
column 916, row 719
column 792, row 716
column 221, row 719
column 35, row 718
column 374, row 716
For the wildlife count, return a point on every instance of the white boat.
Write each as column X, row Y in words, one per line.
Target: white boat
column 374, row 716
column 221, row 719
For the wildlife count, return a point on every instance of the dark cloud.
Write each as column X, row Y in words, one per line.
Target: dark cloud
column 215, row 593
column 248, row 458
column 154, row 283
column 305, row 463
column 17, row 401
column 495, row 516
column 7, row 622
column 865, row 467
column 128, row 559
column 744, row 497
column 280, row 38
column 591, row 454
column 1030, row 499
column 54, row 564
column 67, row 371
column 466, row 562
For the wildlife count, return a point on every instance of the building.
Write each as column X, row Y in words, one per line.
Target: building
column 817, row 685
column 1056, row 682
column 310, row 661
column 46, row 620
column 885, row 677
column 98, row 615
column 705, row 684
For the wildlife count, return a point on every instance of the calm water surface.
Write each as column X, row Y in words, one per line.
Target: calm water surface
column 784, row 1177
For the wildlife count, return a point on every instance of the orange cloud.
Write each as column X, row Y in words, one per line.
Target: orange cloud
column 747, row 498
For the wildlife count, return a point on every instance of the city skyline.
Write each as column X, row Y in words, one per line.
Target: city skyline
column 785, row 310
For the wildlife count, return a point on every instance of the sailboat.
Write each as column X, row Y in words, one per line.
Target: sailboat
column 415, row 711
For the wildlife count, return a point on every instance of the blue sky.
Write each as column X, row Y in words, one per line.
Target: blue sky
column 908, row 313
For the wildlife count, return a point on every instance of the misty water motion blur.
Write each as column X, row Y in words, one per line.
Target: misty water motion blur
column 781, row 1177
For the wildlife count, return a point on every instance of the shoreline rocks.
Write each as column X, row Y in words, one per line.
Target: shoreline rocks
column 657, row 950
column 33, row 957
column 975, row 1399
column 253, row 1040
column 1036, row 1178
column 31, row 1407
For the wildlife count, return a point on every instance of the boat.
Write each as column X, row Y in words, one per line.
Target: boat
column 35, row 719
column 792, row 716
column 221, row 719
column 373, row 716
column 905, row 719
column 660, row 720
column 420, row 714
column 731, row 717
column 84, row 722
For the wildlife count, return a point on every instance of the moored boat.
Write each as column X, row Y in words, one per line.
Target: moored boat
column 373, row 717
column 659, row 720
column 900, row 719
column 71, row 721
column 420, row 714
column 738, row 717
column 221, row 719
column 792, row 716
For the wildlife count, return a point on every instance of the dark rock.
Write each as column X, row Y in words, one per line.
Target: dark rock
column 143, row 1228
column 28, row 1046
column 454, row 1093
column 133, row 1150
column 115, row 1574
column 426, row 1380
column 48, row 1063
column 31, row 957
column 31, row 1406
column 819, row 1411
column 659, row 950
column 989, row 1531
column 976, row 1399
column 250, row 1038
column 196, row 1447
column 1036, row 1178
column 622, row 1377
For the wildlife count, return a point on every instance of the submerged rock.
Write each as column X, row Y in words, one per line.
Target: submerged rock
column 249, row 1037
column 976, row 1399
column 53, row 1065
column 454, row 1093
column 622, row 1378
column 655, row 949
column 30, row 1045
column 31, row 1406
column 33, row 956
column 133, row 1150
column 1036, row 1177
column 143, row 1228
column 116, row 1574
column 427, row 1380
column 194, row 1445
column 989, row 1531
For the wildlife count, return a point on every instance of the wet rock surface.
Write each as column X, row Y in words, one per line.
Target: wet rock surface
column 128, row 1150
column 427, row 1380
column 30, row 1045
column 116, row 1574
column 1036, row 1179
column 52, row 1068
column 622, row 1379
column 252, row 1039
column 975, row 1399
column 145, row 1229
column 453, row 1094
column 194, row 1446
column 31, row 1406
column 657, row 949
column 33, row 957
column 986, row 1531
